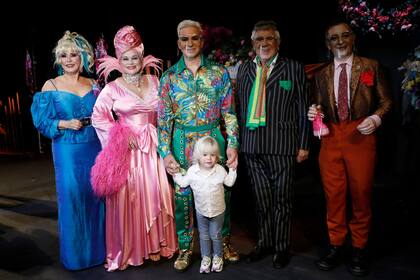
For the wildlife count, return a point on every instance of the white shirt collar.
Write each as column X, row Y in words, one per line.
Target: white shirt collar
column 272, row 64
column 348, row 61
column 196, row 169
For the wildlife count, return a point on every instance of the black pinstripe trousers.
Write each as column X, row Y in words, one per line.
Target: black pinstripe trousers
column 272, row 184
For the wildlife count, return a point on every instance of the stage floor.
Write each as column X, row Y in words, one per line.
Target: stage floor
column 29, row 240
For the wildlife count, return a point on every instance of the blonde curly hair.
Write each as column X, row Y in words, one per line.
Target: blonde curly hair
column 75, row 42
column 205, row 145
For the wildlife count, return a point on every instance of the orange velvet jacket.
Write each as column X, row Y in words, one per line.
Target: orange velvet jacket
column 369, row 92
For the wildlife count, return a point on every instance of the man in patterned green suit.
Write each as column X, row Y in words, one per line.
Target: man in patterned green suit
column 195, row 96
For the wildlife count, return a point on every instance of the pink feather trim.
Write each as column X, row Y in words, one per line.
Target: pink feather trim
column 111, row 169
column 153, row 62
column 108, row 64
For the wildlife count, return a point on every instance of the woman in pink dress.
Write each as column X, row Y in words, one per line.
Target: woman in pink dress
column 129, row 172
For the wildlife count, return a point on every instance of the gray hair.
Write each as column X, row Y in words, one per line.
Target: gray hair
column 266, row 25
column 189, row 23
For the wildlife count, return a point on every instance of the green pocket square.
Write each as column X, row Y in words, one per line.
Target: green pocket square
column 286, row 84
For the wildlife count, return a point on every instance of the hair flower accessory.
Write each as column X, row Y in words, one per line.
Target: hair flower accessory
column 127, row 38
column 367, row 78
column 131, row 39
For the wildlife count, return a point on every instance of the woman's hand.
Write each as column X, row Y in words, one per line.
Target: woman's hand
column 73, row 124
column 132, row 143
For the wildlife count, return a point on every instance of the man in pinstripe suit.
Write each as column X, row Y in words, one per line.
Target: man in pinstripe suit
column 273, row 97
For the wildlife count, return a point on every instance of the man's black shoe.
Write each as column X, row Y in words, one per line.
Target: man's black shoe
column 281, row 259
column 359, row 265
column 257, row 254
column 331, row 259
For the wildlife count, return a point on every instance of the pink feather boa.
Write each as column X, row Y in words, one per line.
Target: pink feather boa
column 111, row 169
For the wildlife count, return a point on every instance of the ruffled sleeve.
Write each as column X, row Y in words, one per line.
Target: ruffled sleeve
column 102, row 118
column 44, row 115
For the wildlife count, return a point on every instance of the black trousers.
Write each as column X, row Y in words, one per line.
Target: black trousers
column 272, row 184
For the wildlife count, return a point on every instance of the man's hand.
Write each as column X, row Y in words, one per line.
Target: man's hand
column 232, row 158
column 313, row 111
column 302, row 155
column 367, row 126
column 171, row 164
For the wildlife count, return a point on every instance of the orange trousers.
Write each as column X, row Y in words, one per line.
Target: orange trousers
column 347, row 162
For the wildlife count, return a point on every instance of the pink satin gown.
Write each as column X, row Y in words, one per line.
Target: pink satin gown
column 140, row 217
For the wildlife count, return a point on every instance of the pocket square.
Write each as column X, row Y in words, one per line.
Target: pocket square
column 286, row 84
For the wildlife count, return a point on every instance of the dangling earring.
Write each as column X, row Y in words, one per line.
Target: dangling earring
column 60, row 70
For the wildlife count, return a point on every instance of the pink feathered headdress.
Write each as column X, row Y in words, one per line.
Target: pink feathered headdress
column 127, row 38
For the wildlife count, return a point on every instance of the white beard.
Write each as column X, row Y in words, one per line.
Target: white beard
column 342, row 54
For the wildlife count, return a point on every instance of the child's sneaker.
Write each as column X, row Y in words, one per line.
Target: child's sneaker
column 217, row 264
column 205, row 265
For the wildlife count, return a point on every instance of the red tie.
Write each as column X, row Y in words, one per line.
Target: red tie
column 343, row 109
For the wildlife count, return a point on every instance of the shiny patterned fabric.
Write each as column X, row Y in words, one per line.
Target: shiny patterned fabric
column 80, row 212
column 198, row 100
column 342, row 98
column 139, row 218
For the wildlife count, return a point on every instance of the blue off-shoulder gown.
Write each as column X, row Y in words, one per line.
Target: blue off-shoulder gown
column 80, row 212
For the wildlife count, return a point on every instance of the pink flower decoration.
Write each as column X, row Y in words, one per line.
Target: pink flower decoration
column 125, row 39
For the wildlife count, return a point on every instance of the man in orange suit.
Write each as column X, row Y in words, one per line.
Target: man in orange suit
column 352, row 96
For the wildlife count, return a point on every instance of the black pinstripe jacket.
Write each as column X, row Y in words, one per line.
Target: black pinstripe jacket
column 287, row 127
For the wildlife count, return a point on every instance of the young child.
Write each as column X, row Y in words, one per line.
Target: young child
column 206, row 179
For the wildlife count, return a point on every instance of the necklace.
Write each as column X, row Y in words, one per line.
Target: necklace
column 133, row 80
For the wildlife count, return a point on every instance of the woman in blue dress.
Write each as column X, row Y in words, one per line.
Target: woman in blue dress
column 62, row 112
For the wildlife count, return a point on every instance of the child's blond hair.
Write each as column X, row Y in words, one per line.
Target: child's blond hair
column 205, row 145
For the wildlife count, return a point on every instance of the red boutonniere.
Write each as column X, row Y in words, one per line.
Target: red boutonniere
column 367, row 78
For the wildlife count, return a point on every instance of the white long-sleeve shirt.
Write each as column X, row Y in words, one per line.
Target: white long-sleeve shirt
column 208, row 190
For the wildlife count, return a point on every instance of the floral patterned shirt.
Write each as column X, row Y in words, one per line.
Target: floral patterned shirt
column 195, row 101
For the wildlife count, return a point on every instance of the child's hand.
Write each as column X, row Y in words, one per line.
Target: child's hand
column 181, row 172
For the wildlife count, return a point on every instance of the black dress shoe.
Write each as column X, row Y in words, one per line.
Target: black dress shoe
column 331, row 259
column 359, row 265
column 281, row 259
column 257, row 254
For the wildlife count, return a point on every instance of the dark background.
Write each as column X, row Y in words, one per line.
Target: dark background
column 396, row 192
column 301, row 25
